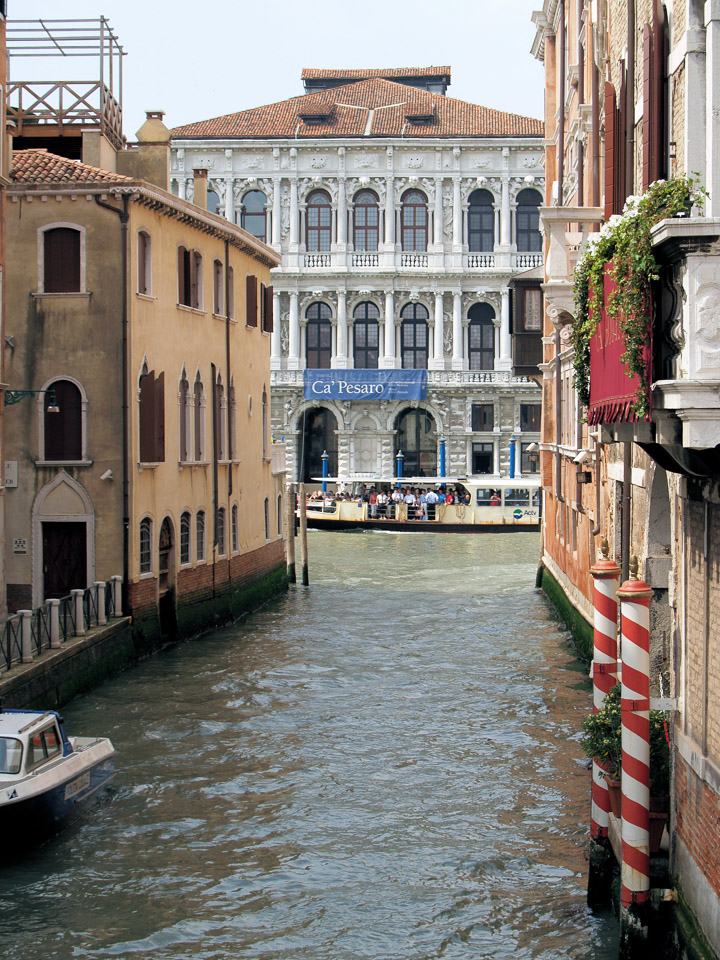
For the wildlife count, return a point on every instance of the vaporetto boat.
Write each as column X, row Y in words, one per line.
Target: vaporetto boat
column 495, row 505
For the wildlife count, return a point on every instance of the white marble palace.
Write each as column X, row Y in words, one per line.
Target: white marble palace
column 409, row 231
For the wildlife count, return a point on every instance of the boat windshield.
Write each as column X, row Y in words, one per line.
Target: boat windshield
column 10, row 755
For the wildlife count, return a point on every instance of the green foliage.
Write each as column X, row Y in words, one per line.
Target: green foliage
column 624, row 242
column 603, row 742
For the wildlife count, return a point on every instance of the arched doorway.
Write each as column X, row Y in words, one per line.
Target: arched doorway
column 416, row 436
column 64, row 530
column 318, row 434
column 166, row 580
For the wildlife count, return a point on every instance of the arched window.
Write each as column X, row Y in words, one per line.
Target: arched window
column 220, row 531
column 481, row 337
column 318, row 431
column 279, row 515
column 415, row 436
column 146, row 545
column 366, row 336
column 267, row 519
column 232, row 423
column 190, row 286
column 200, row 535
column 414, row 221
column 234, row 528
column 318, row 222
column 185, row 537
column 184, row 417
column 366, row 221
column 199, row 419
column 152, row 416
column 144, row 264
column 217, row 288
column 265, row 423
column 219, row 420
column 319, row 337
column 527, row 218
column 481, row 222
column 213, row 201
column 414, row 337
column 61, row 260
column 62, row 430
column 253, row 217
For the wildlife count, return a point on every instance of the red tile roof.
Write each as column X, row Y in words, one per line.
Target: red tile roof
column 41, row 167
column 349, row 108
column 310, row 73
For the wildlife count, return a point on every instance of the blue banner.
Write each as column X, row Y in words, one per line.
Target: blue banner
column 365, row 384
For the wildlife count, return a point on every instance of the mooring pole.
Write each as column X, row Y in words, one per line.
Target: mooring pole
column 302, row 503
column 605, row 576
column 290, row 533
column 324, row 459
column 635, row 713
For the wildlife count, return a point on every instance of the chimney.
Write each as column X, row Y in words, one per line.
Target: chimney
column 153, row 151
column 200, row 188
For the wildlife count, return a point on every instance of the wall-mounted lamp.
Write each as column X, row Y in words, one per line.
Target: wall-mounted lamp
column 15, row 396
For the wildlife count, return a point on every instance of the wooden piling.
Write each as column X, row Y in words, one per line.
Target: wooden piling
column 290, row 533
column 303, row 534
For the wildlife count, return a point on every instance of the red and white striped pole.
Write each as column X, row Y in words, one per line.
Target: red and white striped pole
column 605, row 574
column 635, row 712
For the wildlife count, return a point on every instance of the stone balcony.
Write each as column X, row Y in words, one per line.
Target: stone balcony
column 436, row 378
column 389, row 262
column 566, row 232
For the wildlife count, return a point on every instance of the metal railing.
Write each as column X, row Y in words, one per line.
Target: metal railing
column 27, row 633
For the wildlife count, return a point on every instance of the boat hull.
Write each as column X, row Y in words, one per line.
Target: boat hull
column 418, row 526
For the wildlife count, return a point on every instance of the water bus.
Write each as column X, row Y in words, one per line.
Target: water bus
column 487, row 505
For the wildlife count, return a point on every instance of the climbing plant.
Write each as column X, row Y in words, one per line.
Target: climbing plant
column 624, row 247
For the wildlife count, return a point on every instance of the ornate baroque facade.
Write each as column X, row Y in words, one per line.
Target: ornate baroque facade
column 401, row 216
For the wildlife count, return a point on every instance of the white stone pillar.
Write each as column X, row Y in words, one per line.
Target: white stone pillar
column 53, row 607
column 504, row 361
column 25, row 636
column 505, row 227
column 438, row 225
column 341, row 357
column 457, row 216
column 294, row 225
column 390, row 214
column 438, row 361
column 389, row 358
column 229, row 199
column 457, row 328
column 294, row 334
column 276, row 215
column 712, row 106
column 77, row 599
column 181, row 188
column 100, row 602
column 275, row 339
column 117, row 594
column 341, row 215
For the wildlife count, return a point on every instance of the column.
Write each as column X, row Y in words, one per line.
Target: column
column 294, row 211
column 275, row 338
column 100, row 602
column 341, row 216
column 438, row 360
column 390, row 214
column 341, row 359
column 389, row 358
column 276, row 215
column 457, row 216
column 53, row 607
column 712, row 106
column 457, row 328
column 504, row 361
column 294, row 334
column 438, row 231
column 229, row 199
column 505, row 234
column 182, row 193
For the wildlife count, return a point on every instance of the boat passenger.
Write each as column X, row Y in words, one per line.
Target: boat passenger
column 495, row 498
column 372, row 500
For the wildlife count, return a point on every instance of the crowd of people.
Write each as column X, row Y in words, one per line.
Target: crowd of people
column 421, row 503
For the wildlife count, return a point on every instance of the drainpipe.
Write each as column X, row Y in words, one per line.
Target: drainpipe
column 625, row 524
column 581, row 100
column 630, row 110
column 213, row 373
column 558, row 422
column 561, row 102
column 124, row 218
column 227, row 363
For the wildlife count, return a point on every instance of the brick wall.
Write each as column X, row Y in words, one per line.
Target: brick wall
column 697, row 813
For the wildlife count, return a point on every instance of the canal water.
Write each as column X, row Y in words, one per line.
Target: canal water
column 383, row 766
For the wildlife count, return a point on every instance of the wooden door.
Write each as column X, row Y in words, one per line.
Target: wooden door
column 64, row 558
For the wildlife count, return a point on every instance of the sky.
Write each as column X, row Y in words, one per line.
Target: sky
column 201, row 60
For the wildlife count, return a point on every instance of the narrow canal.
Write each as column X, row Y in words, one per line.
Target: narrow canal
column 383, row 766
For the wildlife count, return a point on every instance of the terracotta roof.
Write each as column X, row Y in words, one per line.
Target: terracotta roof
column 349, row 109
column 39, row 166
column 310, row 73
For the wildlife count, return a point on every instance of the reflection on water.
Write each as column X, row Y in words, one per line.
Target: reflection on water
column 382, row 766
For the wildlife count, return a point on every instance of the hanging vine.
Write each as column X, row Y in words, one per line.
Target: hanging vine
column 624, row 242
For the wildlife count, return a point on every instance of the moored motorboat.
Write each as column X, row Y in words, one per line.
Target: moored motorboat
column 45, row 776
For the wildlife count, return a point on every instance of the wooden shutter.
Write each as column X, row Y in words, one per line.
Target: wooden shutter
column 268, row 326
column 62, row 260
column 251, row 302
column 63, row 430
column 648, row 141
column 147, row 418
column 181, row 276
column 159, row 418
column 611, row 120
